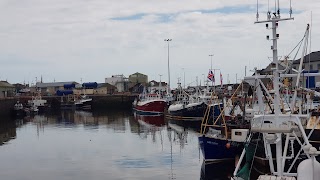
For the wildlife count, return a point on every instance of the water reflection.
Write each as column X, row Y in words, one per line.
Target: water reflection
column 150, row 125
column 216, row 171
column 7, row 131
column 180, row 134
column 98, row 145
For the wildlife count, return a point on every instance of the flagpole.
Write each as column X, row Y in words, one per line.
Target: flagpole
column 211, row 70
column 214, row 82
column 214, row 79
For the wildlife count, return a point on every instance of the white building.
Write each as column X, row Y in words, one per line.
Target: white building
column 119, row 81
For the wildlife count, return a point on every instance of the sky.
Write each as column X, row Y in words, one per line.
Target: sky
column 88, row 41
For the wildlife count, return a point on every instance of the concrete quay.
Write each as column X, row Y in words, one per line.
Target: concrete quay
column 99, row 102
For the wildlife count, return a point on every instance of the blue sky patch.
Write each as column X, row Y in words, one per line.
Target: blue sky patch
column 165, row 18
column 168, row 17
column 228, row 10
column 127, row 18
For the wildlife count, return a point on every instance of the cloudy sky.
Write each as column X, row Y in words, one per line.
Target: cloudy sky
column 74, row 40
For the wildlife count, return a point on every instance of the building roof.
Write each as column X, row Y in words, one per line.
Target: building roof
column 138, row 74
column 6, row 84
column 313, row 57
column 54, row 84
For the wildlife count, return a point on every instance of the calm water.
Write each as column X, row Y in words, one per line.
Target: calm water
column 111, row 145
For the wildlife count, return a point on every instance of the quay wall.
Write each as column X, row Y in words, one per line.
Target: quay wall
column 99, row 102
column 6, row 106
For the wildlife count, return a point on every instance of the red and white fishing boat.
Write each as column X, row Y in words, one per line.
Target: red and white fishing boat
column 149, row 104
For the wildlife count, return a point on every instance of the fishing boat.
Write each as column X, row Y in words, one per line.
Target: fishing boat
column 83, row 102
column 221, row 138
column 18, row 109
column 286, row 143
column 37, row 102
column 151, row 103
column 192, row 107
column 76, row 102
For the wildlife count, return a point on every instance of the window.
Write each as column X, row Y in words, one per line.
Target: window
column 318, row 66
column 311, row 67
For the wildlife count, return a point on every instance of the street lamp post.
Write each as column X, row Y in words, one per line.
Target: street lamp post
column 204, row 80
column 160, row 85
column 168, row 86
column 211, row 59
column 184, row 78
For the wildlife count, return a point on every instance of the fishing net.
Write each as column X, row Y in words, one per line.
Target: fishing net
column 244, row 172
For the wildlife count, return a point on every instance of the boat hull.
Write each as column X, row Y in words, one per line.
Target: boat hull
column 150, row 108
column 194, row 112
column 214, row 149
column 189, row 111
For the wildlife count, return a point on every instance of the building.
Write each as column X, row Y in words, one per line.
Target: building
column 50, row 88
column 311, row 63
column 105, row 88
column 269, row 70
column 119, row 81
column 6, row 89
column 138, row 78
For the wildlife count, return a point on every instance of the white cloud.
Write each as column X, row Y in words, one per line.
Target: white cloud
column 69, row 40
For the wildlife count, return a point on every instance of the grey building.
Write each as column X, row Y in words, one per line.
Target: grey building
column 138, row 78
column 311, row 63
column 6, row 89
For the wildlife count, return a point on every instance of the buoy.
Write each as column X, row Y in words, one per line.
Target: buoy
column 228, row 145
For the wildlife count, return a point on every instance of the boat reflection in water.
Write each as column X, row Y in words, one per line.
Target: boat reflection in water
column 150, row 120
column 150, row 124
column 216, row 171
column 7, row 131
column 180, row 134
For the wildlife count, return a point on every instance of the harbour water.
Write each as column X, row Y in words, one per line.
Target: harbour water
column 111, row 145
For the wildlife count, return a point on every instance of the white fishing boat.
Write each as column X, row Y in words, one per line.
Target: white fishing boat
column 286, row 144
column 37, row 103
column 18, row 109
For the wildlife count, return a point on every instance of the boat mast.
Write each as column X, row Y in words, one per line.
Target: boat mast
column 274, row 18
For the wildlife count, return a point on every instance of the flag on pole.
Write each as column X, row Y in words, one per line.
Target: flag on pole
column 211, row 76
column 221, row 79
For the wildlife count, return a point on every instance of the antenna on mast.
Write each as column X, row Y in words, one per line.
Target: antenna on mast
column 278, row 8
column 257, row 16
column 290, row 11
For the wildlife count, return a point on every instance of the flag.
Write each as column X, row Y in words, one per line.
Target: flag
column 211, row 76
column 221, row 79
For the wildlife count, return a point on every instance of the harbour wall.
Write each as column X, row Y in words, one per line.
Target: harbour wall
column 6, row 106
column 99, row 102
